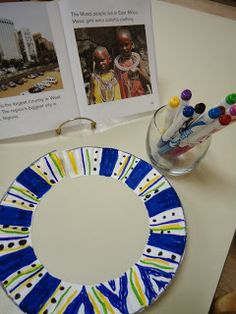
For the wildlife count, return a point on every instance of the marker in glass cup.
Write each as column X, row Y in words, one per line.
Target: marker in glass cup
column 198, row 110
column 170, row 111
column 198, row 124
column 207, row 130
column 228, row 100
column 209, row 116
column 215, row 126
column 185, row 97
column 186, row 113
column 222, row 109
column 232, row 111
column 192, row 129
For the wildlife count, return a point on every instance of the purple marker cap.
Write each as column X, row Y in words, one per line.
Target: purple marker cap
column 186, row 94
column 232, row 110
column 188, row 111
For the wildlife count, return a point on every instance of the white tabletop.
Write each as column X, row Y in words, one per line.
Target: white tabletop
column 194, row 50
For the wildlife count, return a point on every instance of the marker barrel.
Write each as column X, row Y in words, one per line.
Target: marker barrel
column 185, row 97
column 170, row 111
column 177, row 124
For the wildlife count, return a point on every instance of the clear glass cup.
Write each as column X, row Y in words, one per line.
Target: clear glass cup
column 177, row 162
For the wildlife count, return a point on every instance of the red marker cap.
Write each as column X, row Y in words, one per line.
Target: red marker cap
column 225, row 119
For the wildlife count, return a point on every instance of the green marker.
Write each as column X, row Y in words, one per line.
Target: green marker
column 228, row 100
column 231, row 99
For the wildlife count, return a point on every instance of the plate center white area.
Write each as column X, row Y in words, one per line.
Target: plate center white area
column 89, row 229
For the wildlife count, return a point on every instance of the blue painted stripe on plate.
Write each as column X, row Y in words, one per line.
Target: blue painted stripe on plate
column 12, row 262
column 140, row 171
column 124, row 169
column 150, row 274
column 83, row 163
column 13, row 238
column 15, row 216
column 169, row 242
column 150, row 186
column 162, row 258
column 162, row 201
column 82, row 298
column 21, row 198
column 50, row 168
column 27, row 278
column 40, row 294
column 167, row 222
column 108, row 161
column 118, row 300
column 33, row 182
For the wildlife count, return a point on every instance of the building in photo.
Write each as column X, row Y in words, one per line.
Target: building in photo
column 9, row 41
column 45, row 48
column 27, row 45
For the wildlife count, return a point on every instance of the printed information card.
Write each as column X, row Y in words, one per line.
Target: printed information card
column 60, row 60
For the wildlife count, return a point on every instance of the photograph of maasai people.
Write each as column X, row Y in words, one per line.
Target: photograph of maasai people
column 114, row 62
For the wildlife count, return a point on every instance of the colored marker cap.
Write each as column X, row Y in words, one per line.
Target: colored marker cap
column 188, row 111
column 214, row 113
column 232, row 110
column 231, row 99
column 199, row 108
column 225, row 119
column 174, row 102
column 186, row 94
column 222, row 109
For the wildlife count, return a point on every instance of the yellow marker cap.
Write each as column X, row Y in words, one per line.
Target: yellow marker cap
column 174, row 101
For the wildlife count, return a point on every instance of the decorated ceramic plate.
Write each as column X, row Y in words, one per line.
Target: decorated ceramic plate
column 35, row 290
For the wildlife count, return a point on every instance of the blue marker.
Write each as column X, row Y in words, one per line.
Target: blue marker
column 187, row 113
column 207, row 117
column 198, row 110
column 183, row 137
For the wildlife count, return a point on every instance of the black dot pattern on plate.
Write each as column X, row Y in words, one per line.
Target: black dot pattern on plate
column 22, row 242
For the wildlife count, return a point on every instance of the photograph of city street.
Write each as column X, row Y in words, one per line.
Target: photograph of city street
column 28, row 60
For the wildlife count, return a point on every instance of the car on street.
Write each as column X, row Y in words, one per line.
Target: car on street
column 40, row 85
column 3, row 87
column 35, row 89
column 19, row 82
column 31, row 76
column 52, row 80
column 12, row 84
column 46, row 83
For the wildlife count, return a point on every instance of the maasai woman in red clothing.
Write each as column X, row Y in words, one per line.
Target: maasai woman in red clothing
column 131, row 74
